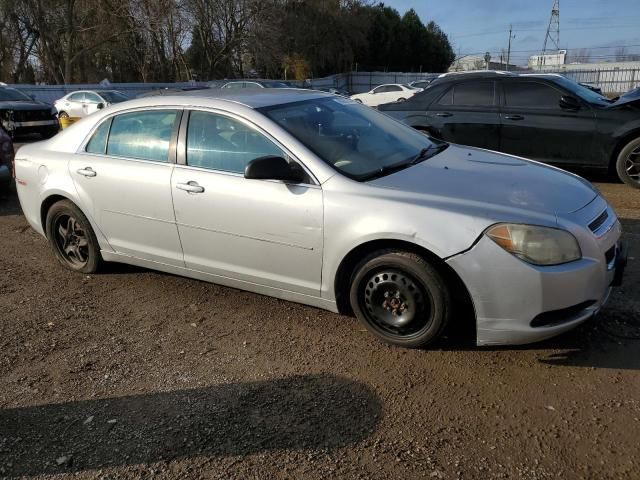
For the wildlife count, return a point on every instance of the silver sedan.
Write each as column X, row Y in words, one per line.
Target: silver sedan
column 313, row 198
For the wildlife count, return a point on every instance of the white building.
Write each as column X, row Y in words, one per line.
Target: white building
column 549, row 60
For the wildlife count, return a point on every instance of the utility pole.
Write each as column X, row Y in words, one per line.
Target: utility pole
column 509, row 47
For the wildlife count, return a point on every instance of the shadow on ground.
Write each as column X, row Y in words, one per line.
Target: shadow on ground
column 303, row 412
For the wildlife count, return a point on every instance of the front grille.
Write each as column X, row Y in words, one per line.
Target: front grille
column 31, row 115
column 598, row 222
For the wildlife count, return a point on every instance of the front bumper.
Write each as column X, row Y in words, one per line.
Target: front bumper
column 518, row 303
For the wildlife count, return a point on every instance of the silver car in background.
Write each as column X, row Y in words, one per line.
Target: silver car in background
column 313, row 198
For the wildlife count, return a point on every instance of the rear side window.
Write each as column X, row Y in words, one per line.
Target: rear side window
column 77, row 97
column 530, row 95
column 142, row 135
column 473, row 94
column 393, row 88
column 98, row 142
column 216, row 142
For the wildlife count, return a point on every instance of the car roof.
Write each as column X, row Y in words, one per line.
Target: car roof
column 250, row 97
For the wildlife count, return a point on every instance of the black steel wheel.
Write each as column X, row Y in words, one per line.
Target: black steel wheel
column 628, row 163
column 72, row 238
column 400, row 298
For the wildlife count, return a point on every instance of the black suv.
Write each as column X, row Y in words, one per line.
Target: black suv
column 546, row 117
column 20, row 114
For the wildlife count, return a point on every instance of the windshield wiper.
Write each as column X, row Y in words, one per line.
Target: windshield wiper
column 424, row 154
column 428, row 152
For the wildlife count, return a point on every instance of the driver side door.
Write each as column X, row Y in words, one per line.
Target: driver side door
column 263, row 232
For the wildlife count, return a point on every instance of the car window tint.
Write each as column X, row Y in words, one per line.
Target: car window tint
column 77, row 97
column 530, row 94
column 393, row 88
column 473, row 94
column 142, row 135
column 379, row 89
column 216, row 142
column 92, row 98
column 98, row 142
column 447, row 98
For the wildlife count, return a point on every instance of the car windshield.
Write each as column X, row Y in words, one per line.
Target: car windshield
column 582, row 91
column 114, row 97
column 8, row 94
column 352, row 138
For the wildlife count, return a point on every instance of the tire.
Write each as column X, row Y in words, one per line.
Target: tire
column 401, row 99
column 628, row 163
column 400, row 298
column 63, row 115
column 72, row 239
column 358, row 101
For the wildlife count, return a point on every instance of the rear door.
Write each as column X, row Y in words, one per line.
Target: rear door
column 123, row 178
column 75, row 105
column 535, row 126
column 467, row 113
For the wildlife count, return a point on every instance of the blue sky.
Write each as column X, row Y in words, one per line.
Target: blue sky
column 477, row 26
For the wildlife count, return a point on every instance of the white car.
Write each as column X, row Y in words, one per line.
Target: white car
column 85, row 102
column 391, row 92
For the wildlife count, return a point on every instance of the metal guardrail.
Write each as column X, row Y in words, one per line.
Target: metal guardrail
column 614, row 80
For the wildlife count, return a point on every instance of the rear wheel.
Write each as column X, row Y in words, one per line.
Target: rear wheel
column 72, row 238
column 400, row 298
column 63, row 115
column 628, row 163
column 401, row 99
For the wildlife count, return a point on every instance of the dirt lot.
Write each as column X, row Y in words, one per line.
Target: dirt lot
column 136, row 374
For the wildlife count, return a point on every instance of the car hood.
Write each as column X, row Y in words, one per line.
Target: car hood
column 632, row 96
column 26, row 105
column 490, row 178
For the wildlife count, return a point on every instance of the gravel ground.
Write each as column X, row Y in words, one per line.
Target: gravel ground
column 137, row 374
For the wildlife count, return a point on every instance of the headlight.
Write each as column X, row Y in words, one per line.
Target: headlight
column 536, row 245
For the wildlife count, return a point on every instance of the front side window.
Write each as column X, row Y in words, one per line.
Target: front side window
column 216, row 142
column 530, row 95
column 98, row 142
column 142, row 135
column 354, row 139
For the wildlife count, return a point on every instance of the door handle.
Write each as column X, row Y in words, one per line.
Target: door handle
column 444, row 114
column 514, row 117
column 87, row 172
column 191, row 187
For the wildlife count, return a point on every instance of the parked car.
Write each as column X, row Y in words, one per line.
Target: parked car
column 392, row 92
column 22, row 115
column 256, row 84
column 308, row 197
column 334, row 90
column 6, row 160
column 424, row 83
column 545, row 117
column 168, row 91
column 85, row 102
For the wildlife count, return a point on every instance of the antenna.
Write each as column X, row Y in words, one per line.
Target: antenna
column 553, row 29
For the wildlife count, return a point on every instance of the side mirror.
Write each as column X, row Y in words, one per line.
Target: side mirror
column 569, row 103
column 100, row 106
column 274, row 168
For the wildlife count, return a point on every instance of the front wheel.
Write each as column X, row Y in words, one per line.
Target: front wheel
column 401, row 298
column 72, row 239
column 628, row 163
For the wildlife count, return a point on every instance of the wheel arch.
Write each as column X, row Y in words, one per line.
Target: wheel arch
column 620, row 144
column 462, row 298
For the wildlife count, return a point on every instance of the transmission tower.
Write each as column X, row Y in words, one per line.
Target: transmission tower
column 553, row 29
